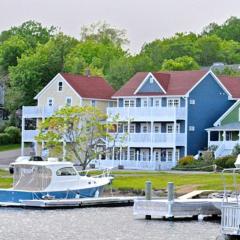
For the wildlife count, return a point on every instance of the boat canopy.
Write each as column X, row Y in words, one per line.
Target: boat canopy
column 37, row 176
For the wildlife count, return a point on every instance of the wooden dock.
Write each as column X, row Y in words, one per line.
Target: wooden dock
column 73, row 203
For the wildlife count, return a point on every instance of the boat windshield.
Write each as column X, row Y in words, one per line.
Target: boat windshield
column 31, row 177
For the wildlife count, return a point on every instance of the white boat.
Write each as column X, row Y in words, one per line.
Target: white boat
column 52, row 180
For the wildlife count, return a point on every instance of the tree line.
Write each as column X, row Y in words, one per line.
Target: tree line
column 31, row 55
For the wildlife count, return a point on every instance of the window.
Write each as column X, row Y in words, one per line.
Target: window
column 144, row 128
column 93, row 103
column 192, row 128
column 145, row 155
column 170, row 128
column 129, row 103
column 144, row 102
column 177, row 156
column 50, row 102
column 157, row 155
column 157, row 128
column 156, row 102
column 132, row 128
column 192, row 101
column 125, row 128
column 69, row 101
column 67, row 171
column 171, row 102
column 151, row 80
column 169, row 155
column 60, row 86
column 132, row 154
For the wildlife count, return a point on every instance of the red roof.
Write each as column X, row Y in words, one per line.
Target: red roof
column 89, row 87
column 176, row 83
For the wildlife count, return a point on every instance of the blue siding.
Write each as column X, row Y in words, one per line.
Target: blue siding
column 210, row 103
column 150, row 87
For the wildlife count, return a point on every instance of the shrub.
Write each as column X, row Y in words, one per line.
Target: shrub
column 4, row 139
column 14, row 133
column 188, row 160
column 226, row 161
column 236, row 150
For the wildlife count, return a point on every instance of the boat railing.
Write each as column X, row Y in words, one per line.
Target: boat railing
column 104, row 173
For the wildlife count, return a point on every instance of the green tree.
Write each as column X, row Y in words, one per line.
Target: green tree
column 104, row 33
column 119, row 72
column 180, row 64
column 35, row 70
column 10, row 50
column 83, row 128
column 209, row 50
column 92, row 54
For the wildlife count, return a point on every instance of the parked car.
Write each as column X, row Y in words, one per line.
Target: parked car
column 24, row 159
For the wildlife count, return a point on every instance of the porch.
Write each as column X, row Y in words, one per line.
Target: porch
column 223, row 139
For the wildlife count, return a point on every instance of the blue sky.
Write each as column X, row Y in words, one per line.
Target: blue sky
column 143, row 20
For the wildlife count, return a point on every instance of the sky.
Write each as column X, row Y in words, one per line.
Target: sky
column 144, row 20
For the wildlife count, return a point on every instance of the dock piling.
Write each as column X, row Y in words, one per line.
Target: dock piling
column 148, row 190
column 170, row 195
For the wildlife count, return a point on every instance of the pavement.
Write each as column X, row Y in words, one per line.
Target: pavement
column 6, row 157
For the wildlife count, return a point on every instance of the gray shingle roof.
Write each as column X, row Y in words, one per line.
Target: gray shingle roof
column 235, row 126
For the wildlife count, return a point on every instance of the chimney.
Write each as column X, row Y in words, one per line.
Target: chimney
column 87, row 72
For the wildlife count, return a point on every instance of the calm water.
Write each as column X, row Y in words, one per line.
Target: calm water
column 97, row 224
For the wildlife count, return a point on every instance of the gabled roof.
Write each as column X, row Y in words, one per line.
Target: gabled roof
column 85, row 86
column 89, row 87
column 218, row 122
column 229, row 126
column 178, row 83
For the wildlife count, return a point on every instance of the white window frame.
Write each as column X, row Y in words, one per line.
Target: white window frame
column 132, row 128
column 157, row 158
column 172, row 125
column 129, row 103
column 66, row 101
column 144, row 102
column 50, row 99
column 177, row 156
column 192, row 101
column 167, row 155
column 155, row 100
column 191, row 128
column 173, row 102
column 159, row 127
column 143, row 125
column 132, row 154
column 60, row 86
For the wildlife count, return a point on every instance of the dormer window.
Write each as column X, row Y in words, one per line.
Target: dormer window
column 60, row 86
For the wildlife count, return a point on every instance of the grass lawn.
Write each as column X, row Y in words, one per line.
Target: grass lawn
column 135, row 180
column 9, row 147
column 5, row 179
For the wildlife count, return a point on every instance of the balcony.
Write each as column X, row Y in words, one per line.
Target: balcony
column 38, row 112
column 151, row 139
column 147, row 113
column 29, row 135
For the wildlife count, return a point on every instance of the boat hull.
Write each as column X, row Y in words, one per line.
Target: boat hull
column 8, row 195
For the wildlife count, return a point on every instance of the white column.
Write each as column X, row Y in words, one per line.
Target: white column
column 208, row 132
column 113, row 152
column 64, row 150
column 239, row 137
column 224, row 136
column 128, row 153
column 23, row 127
column 151, row 154
column 120, row 156
column 175, row 133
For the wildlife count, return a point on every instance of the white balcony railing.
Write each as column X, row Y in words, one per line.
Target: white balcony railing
column 29, row 135
column 151, row 139
column 147, row 113
column 38, row 112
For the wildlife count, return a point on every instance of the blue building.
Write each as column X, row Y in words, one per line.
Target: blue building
column 163, row 116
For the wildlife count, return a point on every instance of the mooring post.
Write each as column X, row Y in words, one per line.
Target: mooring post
column 170, row 189
column 148, row 195
column 148, row 190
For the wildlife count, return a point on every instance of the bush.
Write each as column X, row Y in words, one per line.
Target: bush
column 4, row 139
column 14, row 133
column 236, row 150
column 226, row 161
column 188, row 160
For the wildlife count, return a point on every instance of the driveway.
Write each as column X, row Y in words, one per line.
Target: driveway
column 7, row 157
